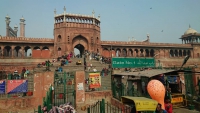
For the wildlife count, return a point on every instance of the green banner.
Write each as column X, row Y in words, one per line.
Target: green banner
column 118, row 62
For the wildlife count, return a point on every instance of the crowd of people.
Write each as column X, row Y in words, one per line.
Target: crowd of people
column 97, row 56
column 15, row 75
column 63, row 108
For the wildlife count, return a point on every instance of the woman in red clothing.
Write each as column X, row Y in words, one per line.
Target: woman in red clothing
column 168, row 106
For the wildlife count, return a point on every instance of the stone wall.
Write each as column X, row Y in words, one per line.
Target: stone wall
column 42, row 81
column 93, row 97
column 135, row 43
column 41, row 54
column 80, row 88
column 26, row 39
column 17, row 104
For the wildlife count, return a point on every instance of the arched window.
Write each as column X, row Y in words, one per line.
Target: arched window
column 45, row 48
column 97, row 40
column 198, row 55
column 59, row 49
column 36, row 48
column 59, row 38
column 152, row 53
column 171, row 53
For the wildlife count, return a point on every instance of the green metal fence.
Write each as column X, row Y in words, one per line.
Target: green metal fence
column 105, row 107
column 189, row 85
column 119, row 89
column 47, row 101
column 64, row 90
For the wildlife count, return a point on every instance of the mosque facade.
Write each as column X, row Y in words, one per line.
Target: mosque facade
column 83, row 32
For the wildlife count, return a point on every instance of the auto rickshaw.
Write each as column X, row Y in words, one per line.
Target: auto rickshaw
column 78, row 62
column 140, row 104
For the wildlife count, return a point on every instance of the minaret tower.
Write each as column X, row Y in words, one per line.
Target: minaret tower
column 93, row 16
column 15, row 30
column 54, row 16
column 22, row 27
column 64, row 14
column 148, row 39
column 7, row 25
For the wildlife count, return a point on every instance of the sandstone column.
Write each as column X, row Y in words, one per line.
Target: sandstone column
column 22, row 52
column 2, row 51
column 12, row 51
column 80, row 87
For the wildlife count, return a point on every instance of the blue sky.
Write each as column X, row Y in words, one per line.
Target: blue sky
column 120, row 19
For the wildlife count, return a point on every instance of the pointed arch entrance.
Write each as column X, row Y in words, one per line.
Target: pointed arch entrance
column 80, row 49
column 80, row 43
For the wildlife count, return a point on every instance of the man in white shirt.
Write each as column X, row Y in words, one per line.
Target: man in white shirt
column 95, row 70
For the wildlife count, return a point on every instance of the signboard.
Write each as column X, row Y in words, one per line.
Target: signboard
column 177, row 99
column 16, row 86
column 141, row 103
column 145, row 106
column 2, row 86
column 80, row 86
column 94, row 80
column 119, row 62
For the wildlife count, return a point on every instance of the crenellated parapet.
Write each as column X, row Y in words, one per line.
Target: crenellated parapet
column 137, row 43
column 76, row 18
column 26, row 39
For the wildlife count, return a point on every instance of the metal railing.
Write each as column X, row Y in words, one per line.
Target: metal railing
column 47, row 101
column 119, row 90
column 105, row 107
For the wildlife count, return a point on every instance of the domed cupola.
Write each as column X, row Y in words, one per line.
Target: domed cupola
column 190, row 31
column 190, row 36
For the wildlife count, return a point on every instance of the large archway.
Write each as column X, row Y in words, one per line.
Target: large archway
column 28, row 51
column 79, row 50
column 80, row 44
column 7, row 52
column 18, row 52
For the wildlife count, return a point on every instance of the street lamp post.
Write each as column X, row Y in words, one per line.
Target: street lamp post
column 185, row 61
column 111, row 51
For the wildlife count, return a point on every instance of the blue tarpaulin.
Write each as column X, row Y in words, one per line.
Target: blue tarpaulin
column 2, row 86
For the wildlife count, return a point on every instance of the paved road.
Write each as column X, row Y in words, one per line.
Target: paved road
column 177, row 110
column 184, row 110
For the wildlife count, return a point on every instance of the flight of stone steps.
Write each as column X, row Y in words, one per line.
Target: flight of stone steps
column 30, row 79
column 73, row 67
column 105, row 80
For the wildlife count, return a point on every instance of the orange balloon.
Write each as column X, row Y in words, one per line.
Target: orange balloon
column 157, row 91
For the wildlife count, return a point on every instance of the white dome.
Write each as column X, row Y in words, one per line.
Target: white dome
column 190, row 31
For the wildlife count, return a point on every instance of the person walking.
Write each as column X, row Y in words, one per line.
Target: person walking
column 159, row 109
column 168, row 105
